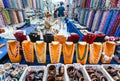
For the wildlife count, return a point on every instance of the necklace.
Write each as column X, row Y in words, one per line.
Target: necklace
column 95, row 57
column 77, row 51
column 14, row 53
column 40, row 52
column 27, row 51
column 55, row 51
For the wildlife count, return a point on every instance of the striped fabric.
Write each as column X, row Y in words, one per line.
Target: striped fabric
column 117, row 33
column 112, row 22
column 2, row 21
column 105, row 15
column 107, row 21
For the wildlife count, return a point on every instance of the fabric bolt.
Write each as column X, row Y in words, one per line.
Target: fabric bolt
column 108, row 3
column 96, row 18
column 2, row 21
column 91, row 3
column 112, row 22
column 83, row 3
column 103, row 4
column 118, row 5
column 6, row 3
column 117, row 22
column 100, row 3
column 86, row 17
column 88, row 3
column 117, row 33
column 105, row 15
column 1, row 4
column 6, row 16
column 107, row 21
column 99, row 20
column 114, row 3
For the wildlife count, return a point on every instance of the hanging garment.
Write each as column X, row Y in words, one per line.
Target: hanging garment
column 28, row 51
column 117, row 33
column 6, row 16
column 82, row 16
column 15, row 18
column 6, row 3
column 81, row 52
column 117, row 22
column 95, row 52
column 68, row 52
column 91, row 4
column 13, row 47
column 114, row 3
column 19, row 4
column 107, row 22
column 100, row 3
column 108, row 52
column 40, row 49
column 105, row 15
column 112, row 22
column 21, row 16
column 89, row 18
column 10, row 2
column 55, row 52
column 74, row 37
column 83, row 3
column 17, row 14
column 24, row 2
column 118, row 5
column 2, row 20
column 1, row 4
column 95, row 4
column 103, row 4
column 14, row 4
column 60, row 38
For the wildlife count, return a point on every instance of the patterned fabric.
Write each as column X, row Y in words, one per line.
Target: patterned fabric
column 86, row 17
column 6, row 3
column 114, row 4
column 82, row 16
column 118, row 5
column 100, row 3
column 108, row 3
column 92, row 3
column 105, row 15
column 1, row 4
column 2, row 21
column 107, row 21
column 112, row 22
column 6, row 16
column 88, row 3
column 117, row 22
column 117, row 33
column 103, row 3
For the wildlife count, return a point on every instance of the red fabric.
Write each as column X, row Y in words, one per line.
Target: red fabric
column 114, row 4
column 89, row 38
column 74, row 38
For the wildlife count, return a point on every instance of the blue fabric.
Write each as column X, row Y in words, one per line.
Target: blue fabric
column 61, row 10
column 112, row 22
column 86, row 17
column 117, row 33
column 24, row 2
column 6, row 3
column 100, row 3
column 107, row 21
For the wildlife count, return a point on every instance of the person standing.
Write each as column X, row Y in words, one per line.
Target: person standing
column 61, row 15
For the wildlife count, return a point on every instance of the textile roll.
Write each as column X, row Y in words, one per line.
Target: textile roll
column 55, row 52
column 60, row 38
column 81, row 52
column 95, row 53
column 105, row 15
column 13, row 47
column 108, row 52
column 40, row 48
column 68, row 52
column 28, row 51
column 1, row 4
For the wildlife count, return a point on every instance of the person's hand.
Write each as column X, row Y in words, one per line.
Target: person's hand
column 56, row 21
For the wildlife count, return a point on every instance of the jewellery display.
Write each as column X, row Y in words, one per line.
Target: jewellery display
column 96, row 73
column 74, row 37
column 81, row 52
column 34, row 37
column 68, row 52
column 108, row 52
column 60, row 38
column 34, row 73
column 113, row 71
column 55, row 52
column 13, row 47
column 95, row 52
column 40, row 48
column 28, row 51
column 13, row 72
column 76, row 73
column 55, row 72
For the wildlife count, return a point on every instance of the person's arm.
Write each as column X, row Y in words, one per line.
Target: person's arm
column 50, row 24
